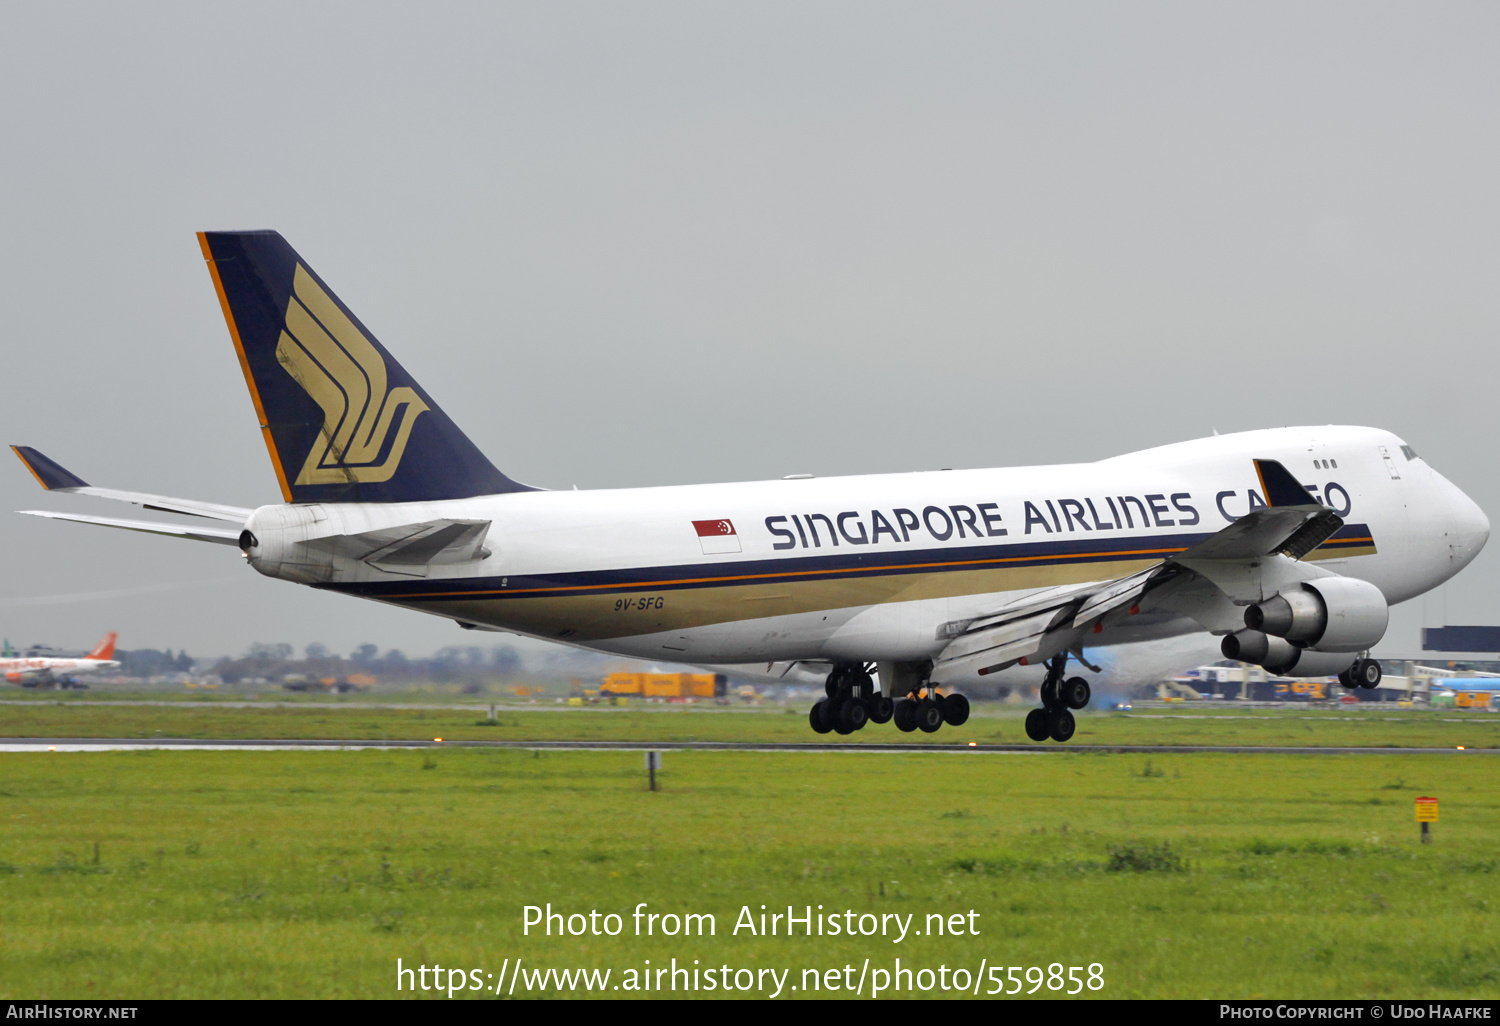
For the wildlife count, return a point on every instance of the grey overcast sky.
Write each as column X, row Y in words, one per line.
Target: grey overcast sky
column 652, row 243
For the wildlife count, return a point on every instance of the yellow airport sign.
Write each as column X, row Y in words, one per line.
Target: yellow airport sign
column 1427, row 810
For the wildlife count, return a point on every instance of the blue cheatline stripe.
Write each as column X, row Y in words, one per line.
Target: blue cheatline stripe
column 793, row 569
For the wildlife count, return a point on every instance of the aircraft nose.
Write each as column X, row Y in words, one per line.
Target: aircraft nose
column 1471, row 530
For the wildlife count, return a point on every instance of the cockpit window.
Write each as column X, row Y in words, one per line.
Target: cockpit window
column 1409, row 452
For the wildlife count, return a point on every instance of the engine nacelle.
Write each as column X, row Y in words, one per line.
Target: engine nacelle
column 14, row 678
column 1281, row 657
column 1329, row 614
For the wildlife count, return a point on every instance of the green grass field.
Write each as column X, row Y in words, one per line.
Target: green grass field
column 1202, row 724
column 290, row 874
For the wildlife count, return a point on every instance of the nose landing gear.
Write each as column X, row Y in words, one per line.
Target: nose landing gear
column 1059, row 697
column 1364, row 673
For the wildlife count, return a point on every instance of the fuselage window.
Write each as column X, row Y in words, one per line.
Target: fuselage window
column 1409, row 452
column 1335, row 464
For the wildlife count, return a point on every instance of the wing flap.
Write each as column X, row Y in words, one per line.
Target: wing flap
column 1122, row 592
column 986, row 639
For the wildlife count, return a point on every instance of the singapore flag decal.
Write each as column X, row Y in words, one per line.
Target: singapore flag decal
column 717, row 536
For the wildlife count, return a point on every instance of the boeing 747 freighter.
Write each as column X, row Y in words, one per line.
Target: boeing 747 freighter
column 1290, row 544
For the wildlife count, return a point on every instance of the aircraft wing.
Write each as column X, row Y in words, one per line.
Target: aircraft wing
column 56, row 478
column 1045, row 623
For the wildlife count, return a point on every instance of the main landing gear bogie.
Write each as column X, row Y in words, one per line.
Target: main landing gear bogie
column 852, row 702
column 1060, row 697
column 926, row 711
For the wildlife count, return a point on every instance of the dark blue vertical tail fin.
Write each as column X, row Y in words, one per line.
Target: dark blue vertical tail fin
column 342, row 419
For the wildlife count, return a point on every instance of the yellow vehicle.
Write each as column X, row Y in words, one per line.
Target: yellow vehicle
column 1471, row 699
column 664, row 685
column 1313, row 690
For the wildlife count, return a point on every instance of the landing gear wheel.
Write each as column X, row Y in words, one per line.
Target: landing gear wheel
column 852, row 716
column 1036, row 725
column 881, row 709
column 1048, row 693
column 906, row 716
column 929, row 715
column 955, row 710
column 1367, row 673
column 1346, row 678
column 1075, row 692
column 817, row 718
column 1060, row 725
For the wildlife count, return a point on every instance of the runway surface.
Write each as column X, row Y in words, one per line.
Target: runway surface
column 102, row 744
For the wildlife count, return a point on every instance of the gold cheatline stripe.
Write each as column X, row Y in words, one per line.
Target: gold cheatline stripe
column 234, row 333
column 786, row 573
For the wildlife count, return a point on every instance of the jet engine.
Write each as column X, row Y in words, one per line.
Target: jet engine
column 1312, row 630
column 1281, row 657
column 1330, row 614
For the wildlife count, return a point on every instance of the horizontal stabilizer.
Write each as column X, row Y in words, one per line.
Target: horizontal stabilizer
column 208, row 534
column 56, row 478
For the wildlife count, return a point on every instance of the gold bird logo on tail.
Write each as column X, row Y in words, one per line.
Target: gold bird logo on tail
column 335, row 364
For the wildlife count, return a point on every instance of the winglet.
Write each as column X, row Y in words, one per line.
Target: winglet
column 1280, row 487
column 49, row 475
column 106, row 648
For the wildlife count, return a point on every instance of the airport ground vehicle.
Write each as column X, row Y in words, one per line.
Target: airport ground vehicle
column 1290, row 544
column 664, row 685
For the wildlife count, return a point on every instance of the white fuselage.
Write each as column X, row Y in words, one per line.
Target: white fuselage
column 19, row 668
column 875, row 567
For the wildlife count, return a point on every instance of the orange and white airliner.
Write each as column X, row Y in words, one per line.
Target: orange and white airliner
column 56, row 671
